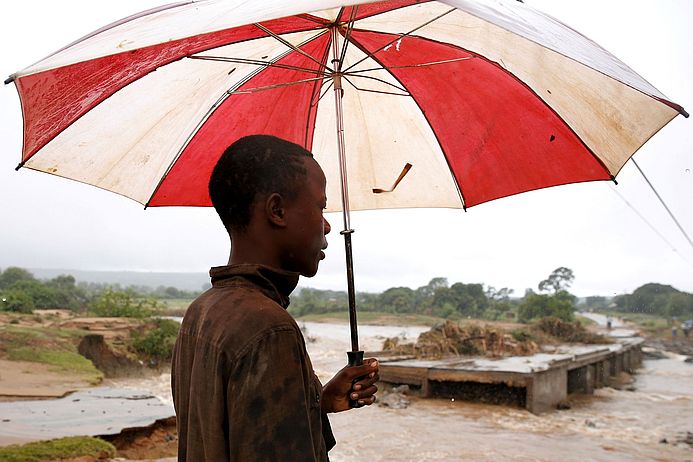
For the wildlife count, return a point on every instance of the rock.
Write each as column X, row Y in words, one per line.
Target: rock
column 663, row 441
column 688, row 360
column 403, row 389
column 590, row 423
column 563, row 405
column 394, row 401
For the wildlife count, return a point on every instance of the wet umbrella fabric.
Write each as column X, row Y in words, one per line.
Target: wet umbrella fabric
column 445, row 103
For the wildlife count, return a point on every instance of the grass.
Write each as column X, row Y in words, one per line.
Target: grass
column 51, row 346
column 62, row 448
column 652, row 325
column 67, row 362
column 586, row 322
column 375, row 318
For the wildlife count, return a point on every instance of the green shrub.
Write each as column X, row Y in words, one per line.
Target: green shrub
column 124, row 303
column 157, row 343
column 16, row 301
column 520, row 335
column 62, row 448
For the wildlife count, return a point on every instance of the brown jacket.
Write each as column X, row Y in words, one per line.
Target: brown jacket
column 243, row 385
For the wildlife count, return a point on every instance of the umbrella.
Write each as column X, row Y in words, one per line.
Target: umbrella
column 424, row 103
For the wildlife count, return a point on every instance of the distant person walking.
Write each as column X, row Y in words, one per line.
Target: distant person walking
column 686, row 327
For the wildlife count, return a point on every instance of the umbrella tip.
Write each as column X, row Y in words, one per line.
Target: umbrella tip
column 684, row 113
column 613, row 178
column 20, row 165
column 9, row 80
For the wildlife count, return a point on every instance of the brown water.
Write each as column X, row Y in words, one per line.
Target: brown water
column 611, row 425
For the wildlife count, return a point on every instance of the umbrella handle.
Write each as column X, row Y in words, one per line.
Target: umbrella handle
column 355, row 359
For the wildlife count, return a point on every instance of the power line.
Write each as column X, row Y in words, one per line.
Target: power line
column 664, row 204
column 642, row 217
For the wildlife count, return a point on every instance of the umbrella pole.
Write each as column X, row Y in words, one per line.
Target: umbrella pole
column 355, row 355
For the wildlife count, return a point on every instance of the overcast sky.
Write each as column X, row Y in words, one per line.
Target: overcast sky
column 49, row 222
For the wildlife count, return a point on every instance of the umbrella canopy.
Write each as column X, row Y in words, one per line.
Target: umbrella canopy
column 483, row 99
column 440, row 103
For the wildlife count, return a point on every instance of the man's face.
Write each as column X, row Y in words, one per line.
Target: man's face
column 306, row 225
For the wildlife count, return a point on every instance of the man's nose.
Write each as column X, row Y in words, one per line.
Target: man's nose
column 327, row 226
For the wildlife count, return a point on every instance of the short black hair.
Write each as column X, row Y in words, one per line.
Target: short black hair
column 255, row 164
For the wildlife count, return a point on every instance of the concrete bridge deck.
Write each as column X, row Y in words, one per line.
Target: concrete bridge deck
column 538, row 382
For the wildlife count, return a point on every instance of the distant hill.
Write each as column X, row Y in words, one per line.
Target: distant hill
column 181, row 281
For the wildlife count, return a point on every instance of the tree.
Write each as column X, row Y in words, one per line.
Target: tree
column 651, row 298
column 15, row 300
column 680, row 305
column 534, row 306
column 467, row 299
column 124, row 303
column 398, row 300
column 559, row 279
column 13, row 275
column 596, row 302
column 499, row 302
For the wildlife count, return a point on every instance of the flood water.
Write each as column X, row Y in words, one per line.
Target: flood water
column 611, row 425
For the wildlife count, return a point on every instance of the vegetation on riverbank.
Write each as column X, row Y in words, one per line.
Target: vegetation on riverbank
column 21, row 292
column 63, row 448
column 58, row 342
column 55, row 347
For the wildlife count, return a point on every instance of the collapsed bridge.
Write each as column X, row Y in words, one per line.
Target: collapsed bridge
column 539, row 382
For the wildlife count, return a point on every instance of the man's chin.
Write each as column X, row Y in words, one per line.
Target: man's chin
column 311, row 272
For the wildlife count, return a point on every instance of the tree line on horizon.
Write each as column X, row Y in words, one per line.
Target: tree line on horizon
column 451, row 301
column 20, row 291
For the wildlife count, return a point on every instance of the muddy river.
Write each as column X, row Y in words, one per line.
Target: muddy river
column 649, row 423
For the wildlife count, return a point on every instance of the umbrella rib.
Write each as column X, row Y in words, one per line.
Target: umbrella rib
column 409, row 66
column 399, row 37
column 271, row 87
column 258, row 62
column 292, row 46
column 323, row 93
column 347, row 36
column 405, row 92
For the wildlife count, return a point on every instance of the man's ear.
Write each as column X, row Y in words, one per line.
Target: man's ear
column 275, row 210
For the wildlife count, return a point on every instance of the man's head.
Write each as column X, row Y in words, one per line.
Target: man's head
column 270, row 195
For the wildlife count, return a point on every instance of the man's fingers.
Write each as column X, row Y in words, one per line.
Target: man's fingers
column 366, row 369
column 364, row 394
column 366, row 382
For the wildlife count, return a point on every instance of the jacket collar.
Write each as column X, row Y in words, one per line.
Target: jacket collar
column 275, row 283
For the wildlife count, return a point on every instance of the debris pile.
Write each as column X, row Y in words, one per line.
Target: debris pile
column 452, row 338
column 567, row 332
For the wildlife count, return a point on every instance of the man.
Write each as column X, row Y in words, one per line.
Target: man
column 243, row 385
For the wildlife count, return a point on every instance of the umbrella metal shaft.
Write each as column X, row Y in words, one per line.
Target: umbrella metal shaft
column 338, row 93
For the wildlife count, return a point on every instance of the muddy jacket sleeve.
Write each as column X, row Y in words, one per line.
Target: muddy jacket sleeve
column 273, row 402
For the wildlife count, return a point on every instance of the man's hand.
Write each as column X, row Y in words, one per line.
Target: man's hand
column 337, row 392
